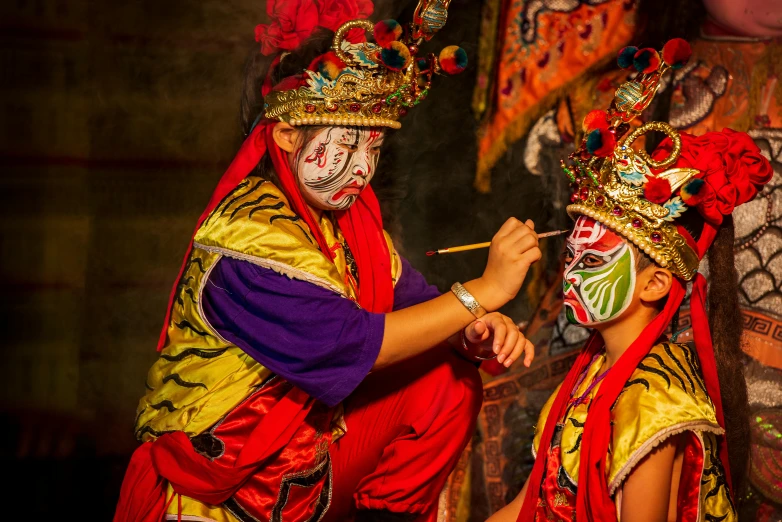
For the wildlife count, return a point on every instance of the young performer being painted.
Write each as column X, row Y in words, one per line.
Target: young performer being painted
column 302, row 371
column 645, row 429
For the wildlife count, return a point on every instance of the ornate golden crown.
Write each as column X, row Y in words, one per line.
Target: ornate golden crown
column 614, row 183
column 370, row 84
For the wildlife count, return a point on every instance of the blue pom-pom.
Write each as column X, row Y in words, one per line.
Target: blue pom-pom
column 625, row 57
column 695, row 186
column 395, row 57
column 594, row 141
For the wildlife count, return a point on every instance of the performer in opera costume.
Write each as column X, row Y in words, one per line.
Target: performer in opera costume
column 644, row 428
column 303, row 373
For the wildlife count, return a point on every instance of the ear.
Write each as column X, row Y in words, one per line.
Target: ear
column 285, row 136
column 654, row 284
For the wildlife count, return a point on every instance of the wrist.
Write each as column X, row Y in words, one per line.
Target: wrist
column 486, row 294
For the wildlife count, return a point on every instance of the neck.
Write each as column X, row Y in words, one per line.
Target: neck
column 620, row 334
column 316, row 212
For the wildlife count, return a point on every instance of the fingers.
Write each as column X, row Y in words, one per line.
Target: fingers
column 476, row 332
column 514, row 346
column 531, row 256
column 517, row 241
column 529, row 352
column 510, row 225
column 506, row 353
column 500, row 331
column 513, row 224
column 516, row 352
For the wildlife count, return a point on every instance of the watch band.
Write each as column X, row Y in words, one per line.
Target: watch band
column 471, row 356
column 468, row 300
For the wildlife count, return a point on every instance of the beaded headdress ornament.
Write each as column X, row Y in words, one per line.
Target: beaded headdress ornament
column 370, row 84
column 624, row 188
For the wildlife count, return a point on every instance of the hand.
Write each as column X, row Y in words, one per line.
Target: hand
column 498, row 333
column 513, row 250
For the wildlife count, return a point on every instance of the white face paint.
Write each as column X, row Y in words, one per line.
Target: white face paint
column 336, row 164
column 599, row 277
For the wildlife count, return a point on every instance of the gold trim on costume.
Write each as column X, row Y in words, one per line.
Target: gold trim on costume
column 665, row 396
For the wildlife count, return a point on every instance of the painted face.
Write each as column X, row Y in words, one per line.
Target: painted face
column 336, row 164
column 599, row 273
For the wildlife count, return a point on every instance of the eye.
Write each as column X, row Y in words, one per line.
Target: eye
column 375, row 149
column 592, row 261
column 349, row 147
column 567, row 255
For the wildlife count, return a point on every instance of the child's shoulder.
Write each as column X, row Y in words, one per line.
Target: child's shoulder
column 670, row 373
column 664, row 396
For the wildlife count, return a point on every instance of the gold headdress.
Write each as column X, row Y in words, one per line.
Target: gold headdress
column 370, row 84
column 614, row 183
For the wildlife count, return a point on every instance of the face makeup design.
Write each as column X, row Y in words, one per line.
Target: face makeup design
column 336, row 164
column 599, row 277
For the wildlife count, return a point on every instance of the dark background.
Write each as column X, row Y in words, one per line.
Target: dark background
column 116, row 120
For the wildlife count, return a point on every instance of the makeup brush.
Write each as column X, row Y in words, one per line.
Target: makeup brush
column 451, row 250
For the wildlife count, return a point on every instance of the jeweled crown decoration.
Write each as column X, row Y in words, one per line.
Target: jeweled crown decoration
column 615, row 183
column 370, row 84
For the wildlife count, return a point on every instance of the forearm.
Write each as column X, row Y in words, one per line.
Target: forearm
column 413, row 330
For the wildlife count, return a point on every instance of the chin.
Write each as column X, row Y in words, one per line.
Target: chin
column 343, row 204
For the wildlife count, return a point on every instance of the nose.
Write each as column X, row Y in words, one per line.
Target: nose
column 361, row 171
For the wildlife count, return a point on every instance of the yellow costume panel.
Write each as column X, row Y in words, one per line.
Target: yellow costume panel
column 665, row 396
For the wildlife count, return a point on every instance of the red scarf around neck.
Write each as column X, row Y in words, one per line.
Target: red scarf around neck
column 361, row 224
column 593, row 501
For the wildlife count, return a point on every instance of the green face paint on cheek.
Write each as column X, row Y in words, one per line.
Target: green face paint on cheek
column 599, row 278
column 607, row 292
column 603, row 292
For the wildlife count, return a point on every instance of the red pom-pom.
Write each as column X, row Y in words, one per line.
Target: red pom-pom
column 600, row 143
column 453, row 59
column 657, row 190
column 646, row 60
column 596, row 119
column 329, row 65
column 387, row 31
column 676, row 52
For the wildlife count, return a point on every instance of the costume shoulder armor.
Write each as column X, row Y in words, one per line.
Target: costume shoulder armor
column 542, row 421
column 396, row 261
column 664, row 396
column 255, row 223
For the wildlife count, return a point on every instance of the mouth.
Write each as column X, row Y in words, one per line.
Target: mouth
column 353, row 189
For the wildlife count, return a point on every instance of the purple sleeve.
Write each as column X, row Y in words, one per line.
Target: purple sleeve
column 412, row 288
column 313, row 338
